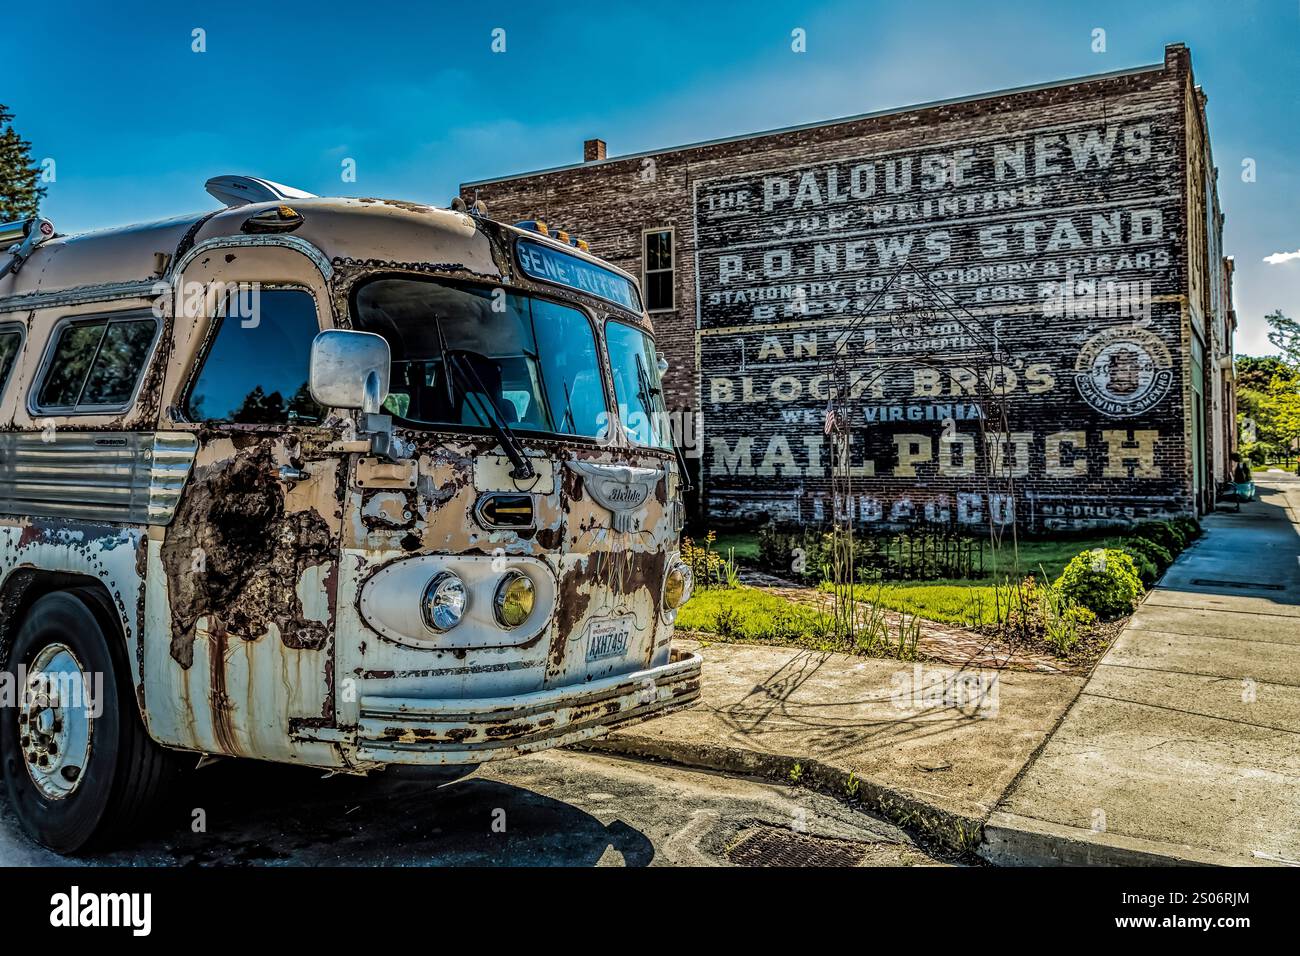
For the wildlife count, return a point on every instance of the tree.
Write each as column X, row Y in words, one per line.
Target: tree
column 1284, row 335
column 20, row 186
column 1268, row 393
column 1256, row 374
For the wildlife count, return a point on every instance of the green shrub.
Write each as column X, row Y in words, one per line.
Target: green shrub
column 1064, row 624
column 801, row 555
column 1162, row 533
column 1104, row 581
column 1189, row 526
column 1157, row 553
column 1035, row 608
column 1080, row 617
column 1147, row 571
column 708, row 567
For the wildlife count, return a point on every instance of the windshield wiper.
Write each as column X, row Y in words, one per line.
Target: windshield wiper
column 509, row 443
column 472, row 384
column 567, row 419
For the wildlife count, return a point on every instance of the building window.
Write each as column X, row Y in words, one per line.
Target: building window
column 95, row 364
column 256, row 372
column 657, row 272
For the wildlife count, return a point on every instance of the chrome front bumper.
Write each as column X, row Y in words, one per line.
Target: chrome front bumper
column 410, row 730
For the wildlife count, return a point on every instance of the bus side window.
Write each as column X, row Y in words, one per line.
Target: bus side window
column 95, row 364
column 11, row 343
column 256, row 370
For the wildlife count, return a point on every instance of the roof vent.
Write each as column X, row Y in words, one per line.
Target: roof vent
column 242, row 190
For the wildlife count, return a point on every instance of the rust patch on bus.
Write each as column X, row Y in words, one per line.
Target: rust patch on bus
column 222, row 727
column 571, row 607
column 235, row 555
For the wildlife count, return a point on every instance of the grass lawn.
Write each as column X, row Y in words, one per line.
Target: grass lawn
column 974, row 601
column 750, row 614
column 965, row 603
column 745, row 543
column 1051, row 555
column 962, row 601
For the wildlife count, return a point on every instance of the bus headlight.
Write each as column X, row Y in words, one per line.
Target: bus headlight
column 677, row 586
column 444, row 601
column 515, row 599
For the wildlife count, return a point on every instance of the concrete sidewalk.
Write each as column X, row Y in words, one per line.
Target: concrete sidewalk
column 931, row 746
column 1184, row 745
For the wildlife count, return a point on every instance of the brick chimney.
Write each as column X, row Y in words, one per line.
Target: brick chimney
column 593, row 150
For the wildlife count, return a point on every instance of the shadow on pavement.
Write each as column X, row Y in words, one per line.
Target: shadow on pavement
column 269, row 814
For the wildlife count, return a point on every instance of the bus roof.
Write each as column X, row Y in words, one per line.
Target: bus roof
column 387, row 232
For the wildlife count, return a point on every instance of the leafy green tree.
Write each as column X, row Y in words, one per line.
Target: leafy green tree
column 20, row 186
column 1268, row 394
column 1284, row 335
column 1256, row 374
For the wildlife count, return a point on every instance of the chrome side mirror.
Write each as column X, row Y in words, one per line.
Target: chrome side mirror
column 349, row 370
column 661, row 363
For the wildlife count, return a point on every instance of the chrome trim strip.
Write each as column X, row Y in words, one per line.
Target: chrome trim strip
column 126, row 477
column 172, row 457
column 318, row 258
column 453, row 729
column 80, row 295
column 152, row 288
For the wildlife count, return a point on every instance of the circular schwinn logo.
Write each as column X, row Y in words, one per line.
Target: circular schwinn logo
column 1123, row 372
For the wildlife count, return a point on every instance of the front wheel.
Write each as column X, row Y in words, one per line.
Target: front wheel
column 78, row 763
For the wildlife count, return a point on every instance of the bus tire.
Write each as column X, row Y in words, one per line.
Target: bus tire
column 80, row 772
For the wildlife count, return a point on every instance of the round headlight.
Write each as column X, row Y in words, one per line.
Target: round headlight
column 677, row 586
column 443, row 604
column 515, row 598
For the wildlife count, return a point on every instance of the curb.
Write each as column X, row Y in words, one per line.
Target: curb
column 998, row 838
column 957, row 832
column 1014, row 840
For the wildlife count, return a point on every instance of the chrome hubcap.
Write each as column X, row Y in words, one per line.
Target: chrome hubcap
column 54, row 722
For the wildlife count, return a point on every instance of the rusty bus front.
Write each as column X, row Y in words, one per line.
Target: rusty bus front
column 547, row 537
column 394, row 485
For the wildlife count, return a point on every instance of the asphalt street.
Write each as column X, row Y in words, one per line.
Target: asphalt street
column 561, row 808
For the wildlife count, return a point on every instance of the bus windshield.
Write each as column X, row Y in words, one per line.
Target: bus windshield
column 535, row 360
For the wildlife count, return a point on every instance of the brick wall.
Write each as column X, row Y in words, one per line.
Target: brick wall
column 936, row 264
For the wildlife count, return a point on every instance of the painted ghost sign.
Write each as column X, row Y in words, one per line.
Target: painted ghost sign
column 1038, row 267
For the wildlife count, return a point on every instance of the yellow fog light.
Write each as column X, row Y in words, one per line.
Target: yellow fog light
column 677, row 586
column 515, row 598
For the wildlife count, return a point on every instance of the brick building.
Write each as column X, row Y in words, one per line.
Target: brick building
column 1058, row 247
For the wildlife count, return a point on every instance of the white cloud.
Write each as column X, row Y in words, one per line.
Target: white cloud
column 1277, row 258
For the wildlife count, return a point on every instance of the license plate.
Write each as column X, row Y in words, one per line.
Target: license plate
column 608, row 638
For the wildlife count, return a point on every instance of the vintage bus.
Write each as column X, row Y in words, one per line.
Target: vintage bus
column 344, row 483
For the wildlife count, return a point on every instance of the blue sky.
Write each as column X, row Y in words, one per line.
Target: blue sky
column 136, row 121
